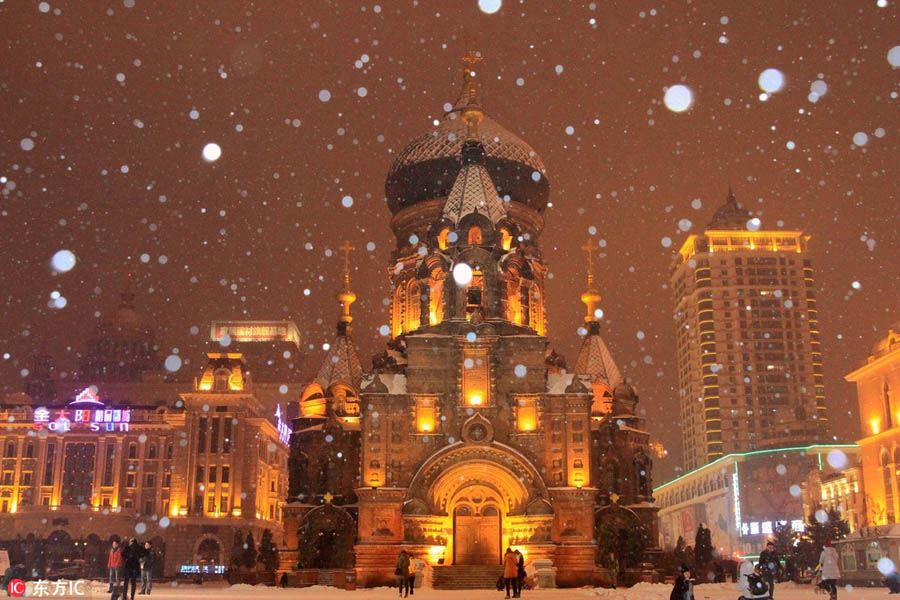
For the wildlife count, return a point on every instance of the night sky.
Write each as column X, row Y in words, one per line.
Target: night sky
column 107, row 106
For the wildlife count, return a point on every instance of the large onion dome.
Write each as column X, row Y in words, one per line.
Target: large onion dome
column 427, row 167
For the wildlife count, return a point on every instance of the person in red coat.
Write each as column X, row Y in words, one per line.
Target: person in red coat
column 114, row 564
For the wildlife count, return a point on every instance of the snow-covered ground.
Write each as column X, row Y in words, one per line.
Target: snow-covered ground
column 721, row 591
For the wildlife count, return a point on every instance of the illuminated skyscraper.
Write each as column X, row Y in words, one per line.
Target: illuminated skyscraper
column 749, row 358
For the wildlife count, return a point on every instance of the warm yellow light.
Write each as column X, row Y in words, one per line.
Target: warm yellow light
column 205, row 386
column 505, row 239
column 182, row 511
column 374, row 480
column 435, row 554
column 174, row 510
column 876, row 425
column 578, row 479
column 432, row 318
column 475, row 399
column 235, row 512
column 14, row 507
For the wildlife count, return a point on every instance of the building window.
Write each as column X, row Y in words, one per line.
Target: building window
column 10, row 449
column 201, row 475
column 226, row 474
column 167, row 480
column 212, row 474
column 29, row 449
column 170, row 449
column 223, row 504
column 132, row 450
column 129, row 480
column 108, row 465
column 475, row 236
column 211, row 504
column 7, row 478
column 48, row 469
column 526, row 415
column 426, row 420
column 150, row 480
column 26, row 478
column 214, row 436
column 151, row 451
column 226, row 444
column 148, row 507
column 201, row 434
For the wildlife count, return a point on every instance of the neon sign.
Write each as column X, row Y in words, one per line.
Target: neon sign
column 284, row 430
column 85, row 411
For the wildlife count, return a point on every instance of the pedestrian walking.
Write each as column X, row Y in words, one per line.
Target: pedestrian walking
column 768, row 564
column 114, row 564
column 520, row 572
column 511, row 572
column 131, row 559
column 684, row 585
column 831, row 572
column 414, row 564
column 148, row 563
column 401, row 570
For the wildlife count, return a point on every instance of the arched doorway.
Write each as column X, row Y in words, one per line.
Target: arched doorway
column 208, row 550
column 477, row 527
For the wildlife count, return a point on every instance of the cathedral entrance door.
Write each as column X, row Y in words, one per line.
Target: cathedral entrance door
column 476, row 537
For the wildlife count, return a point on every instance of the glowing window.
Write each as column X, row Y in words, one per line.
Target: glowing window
column 475, row 236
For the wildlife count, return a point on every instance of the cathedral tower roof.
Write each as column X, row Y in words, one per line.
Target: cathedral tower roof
column 473, row 191
column 730, row 215
column 429, row 165
column 595, row 359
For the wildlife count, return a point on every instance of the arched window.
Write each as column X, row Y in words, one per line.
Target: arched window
column 578, row 464
column 29, row 449
column 505, row 239
column 374, row 465
column 888, row 418
column 888, row 480
column 10, row 449
column 151, row 451
column 132, row 450
column 442, row 238
column 475, row 236
column 399, row 309
column 414, row 306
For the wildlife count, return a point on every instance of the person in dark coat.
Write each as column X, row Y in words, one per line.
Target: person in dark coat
column 148, row 563
column 520, row 568
column 768, row 564
column 131, row 557
column 684, row 585
column 401, row 570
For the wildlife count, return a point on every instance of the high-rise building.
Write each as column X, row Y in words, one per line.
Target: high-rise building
column 749, row 357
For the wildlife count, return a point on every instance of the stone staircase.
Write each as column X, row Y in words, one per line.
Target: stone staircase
column 465, row 577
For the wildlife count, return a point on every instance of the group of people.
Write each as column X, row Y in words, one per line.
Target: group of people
column 406, row 574
column 513, row 572
column 127, row 563
column 757, row 581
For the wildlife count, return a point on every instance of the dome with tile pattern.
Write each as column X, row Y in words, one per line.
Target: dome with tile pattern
column 428, row 166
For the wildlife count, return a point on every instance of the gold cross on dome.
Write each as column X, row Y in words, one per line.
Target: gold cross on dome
column 328, row 497
column 614, row 498
column 471, row 59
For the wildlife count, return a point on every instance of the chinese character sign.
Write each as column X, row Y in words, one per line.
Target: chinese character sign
column 86, row 412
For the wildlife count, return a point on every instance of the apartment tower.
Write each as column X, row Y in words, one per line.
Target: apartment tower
column 749, row 357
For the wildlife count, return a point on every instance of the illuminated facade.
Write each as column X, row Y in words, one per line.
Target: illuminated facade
column 749, row 356
column 878, row 391
column 742, row 497
column 137, row 454
column 471, row 435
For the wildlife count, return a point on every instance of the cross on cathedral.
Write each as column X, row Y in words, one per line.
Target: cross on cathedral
column 589, row 247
